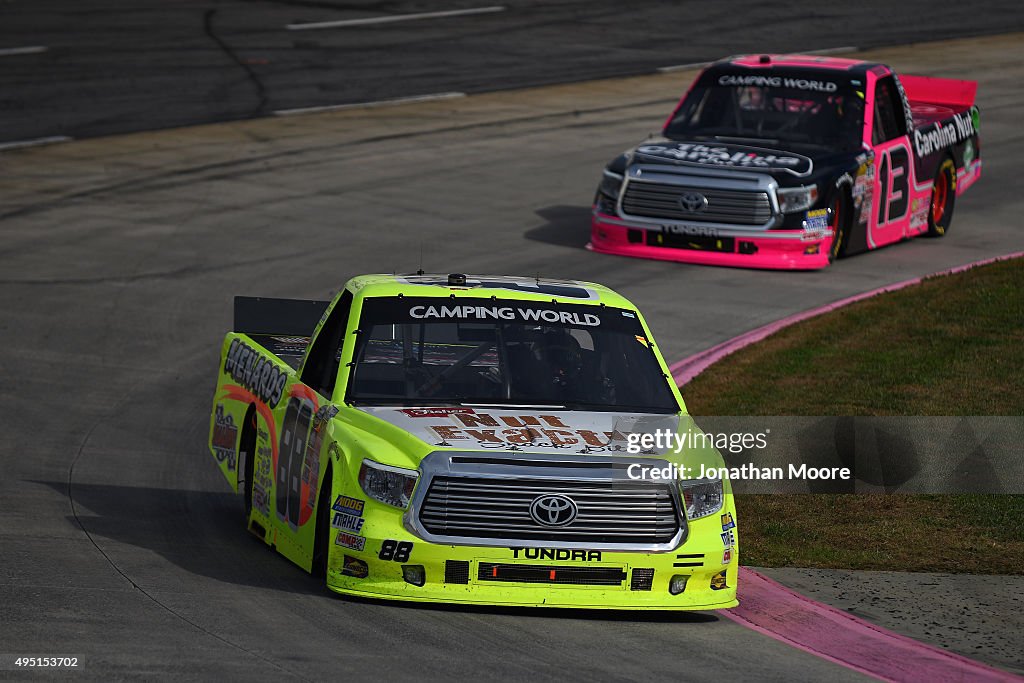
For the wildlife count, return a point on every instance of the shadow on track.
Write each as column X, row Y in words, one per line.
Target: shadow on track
column 567, row 226
column 635, row 616
column 201, row 532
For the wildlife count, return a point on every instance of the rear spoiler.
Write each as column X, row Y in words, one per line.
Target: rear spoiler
column 282, row 326
column 288, row 317
column 948, row 92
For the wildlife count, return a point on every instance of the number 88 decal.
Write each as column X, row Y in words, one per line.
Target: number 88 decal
column 395, row 550
column 295, row 428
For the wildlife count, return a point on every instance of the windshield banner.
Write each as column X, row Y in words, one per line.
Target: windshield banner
column 465, row 310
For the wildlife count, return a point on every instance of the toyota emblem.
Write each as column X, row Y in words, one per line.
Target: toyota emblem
column 553, row 510
column 693, row 202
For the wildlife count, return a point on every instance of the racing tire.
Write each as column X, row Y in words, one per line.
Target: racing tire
column 840, row 224
column 246, row 460
column 943, row 199
column 323, row 528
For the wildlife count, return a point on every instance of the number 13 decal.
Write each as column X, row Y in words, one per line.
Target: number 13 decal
column 893, row 184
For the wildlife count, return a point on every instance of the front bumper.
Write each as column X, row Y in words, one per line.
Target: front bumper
column 554, row 578
column 778, row 250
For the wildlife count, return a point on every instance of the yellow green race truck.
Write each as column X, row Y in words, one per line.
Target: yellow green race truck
column 486, row 440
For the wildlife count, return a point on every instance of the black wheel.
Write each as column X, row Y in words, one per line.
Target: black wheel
column 940, row 211
column 323, row 528
column 839, row 221
column 246, row 458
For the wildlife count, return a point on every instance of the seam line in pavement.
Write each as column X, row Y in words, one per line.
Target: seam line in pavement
column 74, row 512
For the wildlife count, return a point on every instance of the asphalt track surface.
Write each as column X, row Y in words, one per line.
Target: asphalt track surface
column 125, row 65
column 118, row 260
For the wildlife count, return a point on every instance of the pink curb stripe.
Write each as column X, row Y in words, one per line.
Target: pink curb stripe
column 775, row 611
column 780, row 613
column 685, row 370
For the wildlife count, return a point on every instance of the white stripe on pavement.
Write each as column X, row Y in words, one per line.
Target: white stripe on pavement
column 344, row 23
column 831, row 50
column 20, row 144
column 28, row 50
column 368, row 105
column 682, row 67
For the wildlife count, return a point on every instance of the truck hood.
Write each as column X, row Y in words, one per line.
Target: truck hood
column 527, row 430
column 696, row 153
column 791, row 166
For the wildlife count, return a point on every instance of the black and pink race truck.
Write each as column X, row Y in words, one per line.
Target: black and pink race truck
column 788, row 161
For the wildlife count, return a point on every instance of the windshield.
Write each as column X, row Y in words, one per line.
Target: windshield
column 776, row 109
column 430, row 351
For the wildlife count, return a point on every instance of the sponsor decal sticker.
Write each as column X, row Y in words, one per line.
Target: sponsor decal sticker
column 347, row 522
column 718, row 581
column 470, row 312
column 346, row 540
column 537, row 431
column 350, row 506
column 908, row 116
column 919, row 213
column 720, row 155
column 261, row 480
column 727, row 556
column 944, row 134
column 727, row 522
column 816, row 223
column 729, row 538
column 255, row 372
column 436, row 412
column 355, row 568
column 690, row 230
column 777, row 82
column 225, row 436
column 556, row 554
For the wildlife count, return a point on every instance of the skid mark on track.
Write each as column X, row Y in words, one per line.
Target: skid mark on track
column 176, row 177
column 261, row 91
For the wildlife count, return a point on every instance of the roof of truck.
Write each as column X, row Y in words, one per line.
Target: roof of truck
column 486, row 286
column 769, row 61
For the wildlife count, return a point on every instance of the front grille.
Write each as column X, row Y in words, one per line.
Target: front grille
column 456, row 571
column 733, row 207
column 608, row 512
column 529, row 573
column 642, row 580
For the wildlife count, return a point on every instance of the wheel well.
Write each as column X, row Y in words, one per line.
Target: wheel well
column 246, row 450
column 845, row 191
column 319, row 565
